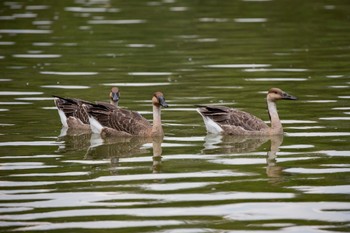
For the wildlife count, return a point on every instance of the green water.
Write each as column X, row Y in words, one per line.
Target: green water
column 195, row 52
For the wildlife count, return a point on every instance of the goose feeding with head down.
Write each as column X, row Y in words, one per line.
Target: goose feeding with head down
column 230, row 121
column 117, row 122
column 72, row 113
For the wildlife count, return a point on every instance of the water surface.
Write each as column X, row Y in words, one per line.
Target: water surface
column 196, row 52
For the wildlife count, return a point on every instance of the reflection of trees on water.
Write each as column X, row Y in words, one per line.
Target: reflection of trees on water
column 98, row 148
column 219, row 144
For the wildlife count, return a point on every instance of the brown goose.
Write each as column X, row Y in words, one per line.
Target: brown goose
column 116, row 122
column 224, row 120
column 72, row 113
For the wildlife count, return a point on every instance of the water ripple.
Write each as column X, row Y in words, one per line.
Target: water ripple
column 235, row 66
column 30, row 143
column 136, row 84
column 20, row 93
column 164, row 176
column 121, row 21
column 91, row 9
column 37, row 55
column 45, row 226
column 24, row 31
column 65, row 87
column 250, row 20
column 68, row 73
column 277, row 70
column 335, row 189
column 150, row 73
column 317, row 170
column 317, row 211
column 276, row 79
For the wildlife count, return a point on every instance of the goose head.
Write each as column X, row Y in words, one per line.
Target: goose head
column 159, row 100
column 275, row 94
column 114, row 95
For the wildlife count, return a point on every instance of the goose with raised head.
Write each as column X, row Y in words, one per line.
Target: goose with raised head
column 117, row 122
column 72, row 113
column 230, row 121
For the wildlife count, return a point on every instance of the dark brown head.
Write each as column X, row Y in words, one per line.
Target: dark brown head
column 114, row 95
column 275, row 94
column 159, row 100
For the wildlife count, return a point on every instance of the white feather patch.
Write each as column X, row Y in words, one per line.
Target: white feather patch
column 63, row 118
column 96, row 126
column 210, row 125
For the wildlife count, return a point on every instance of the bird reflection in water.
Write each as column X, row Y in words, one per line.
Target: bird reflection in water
column 114, row 149
column 74, row 140
column 220, row 144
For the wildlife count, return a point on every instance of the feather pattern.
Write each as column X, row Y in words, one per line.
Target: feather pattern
column 230, row 117
column 220, row 119
column 119, row 122
column 73, row 112
column 119, row 119
column 73, row 108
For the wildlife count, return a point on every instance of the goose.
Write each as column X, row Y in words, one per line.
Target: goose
column 72, row 113
column 230, row 121
column 117, row 122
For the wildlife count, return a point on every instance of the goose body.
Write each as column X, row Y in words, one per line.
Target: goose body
column 72, row 113
column 230, row 121
column 117, row 122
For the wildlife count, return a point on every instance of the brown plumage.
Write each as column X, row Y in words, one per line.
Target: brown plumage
column 116, row 122
column 224, row 120
column 73, row 114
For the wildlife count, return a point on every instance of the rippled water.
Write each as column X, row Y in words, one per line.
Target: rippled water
column 196, row 52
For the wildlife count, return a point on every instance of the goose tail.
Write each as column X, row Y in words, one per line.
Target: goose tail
column 95, row 125
column 62, row 115
column 210, row 125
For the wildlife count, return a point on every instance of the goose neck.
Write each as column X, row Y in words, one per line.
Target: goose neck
column 157, row 129
column 276, row 124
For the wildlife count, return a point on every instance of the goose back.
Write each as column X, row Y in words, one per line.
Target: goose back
column 121, row 120
column 231, row 119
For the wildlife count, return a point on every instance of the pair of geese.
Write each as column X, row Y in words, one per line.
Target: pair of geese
column 109, row 120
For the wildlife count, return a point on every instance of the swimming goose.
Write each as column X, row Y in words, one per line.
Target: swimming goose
column 119, row 122
column 72, row 113
column 224, row 120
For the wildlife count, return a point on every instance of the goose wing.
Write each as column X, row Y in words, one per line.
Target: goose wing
column 73, row 108
column 225, row 116
column 119, row 119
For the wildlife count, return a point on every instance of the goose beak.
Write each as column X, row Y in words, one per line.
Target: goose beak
column 115, row 96
column 286, row 96
column 162, row 102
